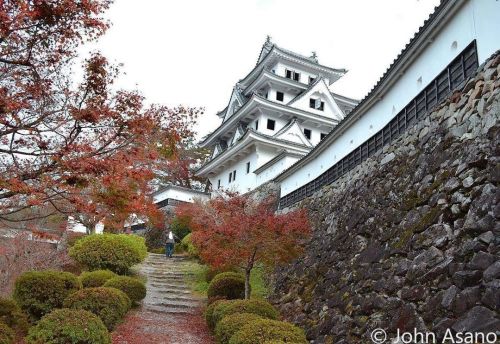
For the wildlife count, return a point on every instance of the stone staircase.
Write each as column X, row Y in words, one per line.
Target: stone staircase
column 167, row 291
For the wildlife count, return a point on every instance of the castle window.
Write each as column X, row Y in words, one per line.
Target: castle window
column 307, row 133
column 280, row 96
column 311, row 80
column 316, row 104
column 323, row 135
column 290, row 74
column 234, row 175
column 230, row 177
column 257, row 125
column 271, row 124
column 218, row 184
column 248, row 167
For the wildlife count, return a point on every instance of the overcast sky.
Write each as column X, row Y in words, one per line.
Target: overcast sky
column 192, row 52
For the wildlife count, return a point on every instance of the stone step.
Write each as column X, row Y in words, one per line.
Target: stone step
column 170, row 292
column 165, row 274
column 164, row 279
column 173, row 297
column 171, row 310
column 170, row 283
column 173, row 304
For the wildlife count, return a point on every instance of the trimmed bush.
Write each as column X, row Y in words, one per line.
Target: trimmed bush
column 135, row 289
column 63, row 326
column 264, row 330
column 97, row 278
column 12, row 316
column 259, row 307
column 212, row 272
column 7, row 335
column 115, row 252
column 231, row 324
column 230, row 285
column 160, row 250
column 187, row 246
column 39, row 292
column 109, row 304
column 138, row 243
column 209, row 313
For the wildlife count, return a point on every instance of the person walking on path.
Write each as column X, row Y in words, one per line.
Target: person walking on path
column 170, row 244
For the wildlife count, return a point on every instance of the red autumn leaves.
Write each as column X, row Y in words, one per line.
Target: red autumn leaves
column 86, row 149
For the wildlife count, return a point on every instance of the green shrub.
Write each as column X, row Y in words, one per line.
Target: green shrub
column 12, row 316
column 39, row 292
column 7, row 335
column 230, row 285
column 138, row 243
column 178, row 248
column 160, row 250
column 97, row 278
column 259, row 307
column 231, row 324
column 212, row 272
column 109, row 304
column 180, row 227
column 63, row 326
column 187, row 246
column 115, row 252
column 135, row 289
column 264, row 330
column 209, row 313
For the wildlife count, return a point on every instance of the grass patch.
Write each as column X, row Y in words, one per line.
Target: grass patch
column 258, row 283
column 196, row 277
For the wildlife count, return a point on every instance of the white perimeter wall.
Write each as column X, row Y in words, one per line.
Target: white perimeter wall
column 477, row 19
column 185, row 195
column 275, row 169
column 248, row 181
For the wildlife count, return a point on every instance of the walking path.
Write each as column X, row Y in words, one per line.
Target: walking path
column 170, row 313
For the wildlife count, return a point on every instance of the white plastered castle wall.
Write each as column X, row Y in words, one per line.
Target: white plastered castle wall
column 476, row 19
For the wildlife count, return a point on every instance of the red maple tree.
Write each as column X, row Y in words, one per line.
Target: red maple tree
column 84, row 149
column 234, row 230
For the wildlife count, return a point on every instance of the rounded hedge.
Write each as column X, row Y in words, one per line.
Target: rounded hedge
column 63, row 326
column 209, row 313
column 7, row 335
column 109, row 304
column 231, row 324
column 135, row 289
column 12, row 316
column 187, row 246
column 264, row 330
column 97, row 278
column 39, row 292
column 115, row 252
column 230, row 285
column 259, row 307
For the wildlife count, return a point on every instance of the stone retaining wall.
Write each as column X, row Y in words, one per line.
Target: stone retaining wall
column 410, row 238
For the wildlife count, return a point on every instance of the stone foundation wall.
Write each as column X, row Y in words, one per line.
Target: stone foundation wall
column 410, row 238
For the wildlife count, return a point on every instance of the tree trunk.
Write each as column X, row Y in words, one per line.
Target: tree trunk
column 247, row 283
